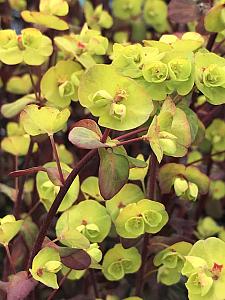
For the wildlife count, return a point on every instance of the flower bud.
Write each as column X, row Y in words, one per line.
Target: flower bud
column 118, row 111
column 53, row 266
column 101, row 98
column 192, row 192
column 66, row 89
column 180, row 186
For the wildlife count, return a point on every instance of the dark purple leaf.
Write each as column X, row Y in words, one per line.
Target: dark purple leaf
column 76, row 259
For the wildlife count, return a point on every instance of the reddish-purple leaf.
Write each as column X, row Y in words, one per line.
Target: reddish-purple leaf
column 76, row 259
column 85, row 138
column 19, row 286
column 113, row 173
column 89, row 124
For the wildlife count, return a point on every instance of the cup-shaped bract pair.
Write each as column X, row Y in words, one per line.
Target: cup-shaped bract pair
column 20, row 85
column 48, row 191
column 64, row 80
column 217, row 189
column 171, row 261
column 185, row 189
column 130, row 193
column 137, row 218
column 204, row 268
column 127, row 59
column 210, row 76
column 189, row 42
column 169, row 132
column 97, row 18
column 119, row 261
column 173, row 73
column 127, row 9
column 88, row 217
column 188, row 182
column 84, row 45
column 90, row 188
column 43, row 120
column 214, row 20
column 9, row 227
column 30, row 47
column 45, row 266
column 155, row 15
column 207, row 227
column 139, row 173
column 215, row 133
column 17, row 142
column 48, row 15
column 119, row 102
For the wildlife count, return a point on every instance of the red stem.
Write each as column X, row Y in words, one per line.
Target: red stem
column 150, row 194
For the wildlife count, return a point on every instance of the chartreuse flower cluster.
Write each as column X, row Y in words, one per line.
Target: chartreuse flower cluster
column 9, row 227
column 215, row 134
column 154, row 12
column 88, row 217
column 143, row 216
column 86, row 47
column 97, row 18
column 204, row 268
column 119, row 261
column 30, row 47
column 113, row 98
column 17, row 141
column 188, row 182
column 48, row 190
column 64, row 79
column 45, row 266
column 166, row 135
column 170, row 262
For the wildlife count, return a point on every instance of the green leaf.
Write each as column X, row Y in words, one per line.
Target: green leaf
column 113, row 173
column 10, row 110
column 44, row 19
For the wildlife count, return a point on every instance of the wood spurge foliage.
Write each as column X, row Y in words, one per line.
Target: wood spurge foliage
column 112, row 149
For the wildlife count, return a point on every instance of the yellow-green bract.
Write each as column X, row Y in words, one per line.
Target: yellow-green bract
column 119, row 261
column 204, row 268
column 45, row 266
column 137, row 218
column 9, row 227
column 30, row 47
column 40, row 120
column 119, row 102
column 48, row 191
column 89, row 217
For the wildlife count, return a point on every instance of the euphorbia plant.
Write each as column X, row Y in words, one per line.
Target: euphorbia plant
column 113, row 150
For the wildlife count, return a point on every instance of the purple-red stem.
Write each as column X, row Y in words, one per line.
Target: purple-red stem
column 56, row 157
column 150, row 191
column 58, row 200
